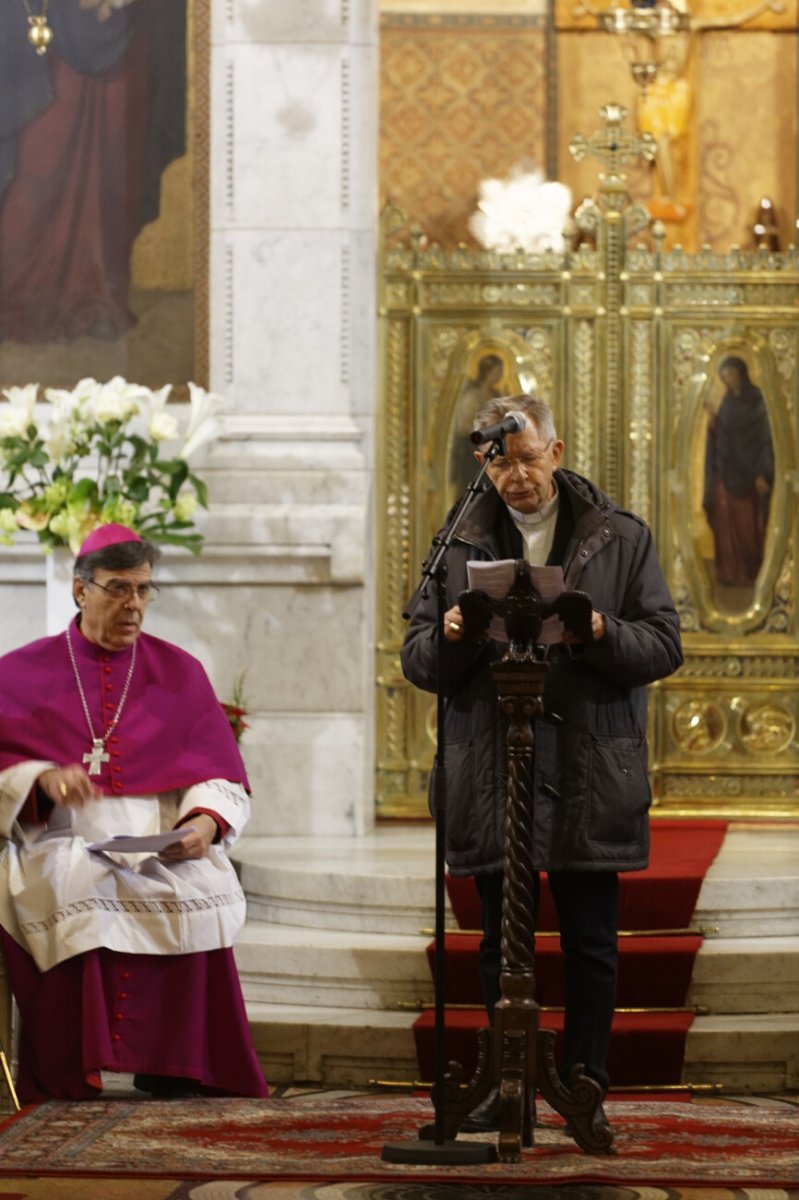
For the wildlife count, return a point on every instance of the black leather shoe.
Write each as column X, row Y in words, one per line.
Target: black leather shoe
column 485, row 1118
column 144, row 1083
column 167, row 1087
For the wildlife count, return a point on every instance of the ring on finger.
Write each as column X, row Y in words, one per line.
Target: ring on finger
column 62, row 787
column 455, row 628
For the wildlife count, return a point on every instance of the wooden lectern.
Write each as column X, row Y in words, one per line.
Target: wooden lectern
column 515, row 1054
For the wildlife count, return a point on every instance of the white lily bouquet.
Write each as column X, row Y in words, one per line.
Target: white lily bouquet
column 97, row 454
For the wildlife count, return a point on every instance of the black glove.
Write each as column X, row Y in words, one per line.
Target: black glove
column 477, row 611
column 575, row 611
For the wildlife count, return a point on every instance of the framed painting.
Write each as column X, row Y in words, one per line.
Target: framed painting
column 104, row 191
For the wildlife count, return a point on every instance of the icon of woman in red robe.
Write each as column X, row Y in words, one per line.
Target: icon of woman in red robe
column 739, row 476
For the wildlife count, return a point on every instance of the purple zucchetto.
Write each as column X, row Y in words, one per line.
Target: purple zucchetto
column 107, row 535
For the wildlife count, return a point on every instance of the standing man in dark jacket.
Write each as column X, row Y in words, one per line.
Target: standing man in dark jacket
column 590, row 786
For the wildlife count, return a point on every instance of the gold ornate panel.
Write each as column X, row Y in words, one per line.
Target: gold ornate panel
column 626, row 341
column 462, row 98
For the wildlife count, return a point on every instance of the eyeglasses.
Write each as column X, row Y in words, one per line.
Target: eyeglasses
column 527, row 462
column 119, row 590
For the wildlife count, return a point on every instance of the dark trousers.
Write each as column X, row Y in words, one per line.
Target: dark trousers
column 587, row 904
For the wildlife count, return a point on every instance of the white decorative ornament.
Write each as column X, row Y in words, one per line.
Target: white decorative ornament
column 524, row 212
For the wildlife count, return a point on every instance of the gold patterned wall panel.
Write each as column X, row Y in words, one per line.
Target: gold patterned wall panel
column 739, row 161
column 466, row 96
column 461, row 100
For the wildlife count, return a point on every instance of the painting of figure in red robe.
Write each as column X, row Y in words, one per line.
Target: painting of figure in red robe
column 738, row 483
column 90, row 126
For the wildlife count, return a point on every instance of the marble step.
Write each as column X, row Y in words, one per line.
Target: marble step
column 380, row 883
column 297, row 966
column 747, row 1052
column 343, row 1047
column 328, row 968
column 752, row 887
column 746, row 975
column 384, row 882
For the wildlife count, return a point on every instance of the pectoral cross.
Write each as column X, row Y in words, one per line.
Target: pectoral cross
column 96, row 756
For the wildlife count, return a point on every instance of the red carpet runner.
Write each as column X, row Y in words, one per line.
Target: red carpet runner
column 647, row 1048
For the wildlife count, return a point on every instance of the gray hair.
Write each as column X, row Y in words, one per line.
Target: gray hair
column 122, row 556
column 538, row 411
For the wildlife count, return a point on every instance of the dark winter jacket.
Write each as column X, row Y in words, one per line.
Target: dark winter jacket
column 591, row 787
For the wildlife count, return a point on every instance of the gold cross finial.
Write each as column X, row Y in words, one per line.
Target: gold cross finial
column 614, row 146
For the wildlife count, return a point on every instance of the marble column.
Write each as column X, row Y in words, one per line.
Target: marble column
column 293, row 345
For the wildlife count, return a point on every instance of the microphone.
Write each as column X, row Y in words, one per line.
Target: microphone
column 512, row 422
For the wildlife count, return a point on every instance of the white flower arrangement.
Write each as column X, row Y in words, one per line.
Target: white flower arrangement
column 94, row 456
column 524, row 212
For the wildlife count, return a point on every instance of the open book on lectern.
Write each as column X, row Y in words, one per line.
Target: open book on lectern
column 497, row 578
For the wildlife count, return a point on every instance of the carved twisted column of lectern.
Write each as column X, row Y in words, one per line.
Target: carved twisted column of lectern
column 524, row 1054
column 515, row 1054
column 520, row 686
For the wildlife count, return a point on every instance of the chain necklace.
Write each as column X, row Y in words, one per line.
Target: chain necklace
column 98, row 753
column 40, row 35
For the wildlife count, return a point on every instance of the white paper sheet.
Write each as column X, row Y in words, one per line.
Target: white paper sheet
column 496, row 580
column 125, row 843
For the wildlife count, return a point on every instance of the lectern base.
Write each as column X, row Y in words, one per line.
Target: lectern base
column 439, row 1154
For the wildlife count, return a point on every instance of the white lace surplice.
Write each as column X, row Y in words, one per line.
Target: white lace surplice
column 58, row 899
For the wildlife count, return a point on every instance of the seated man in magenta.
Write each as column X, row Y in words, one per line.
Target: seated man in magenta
column 120, row 963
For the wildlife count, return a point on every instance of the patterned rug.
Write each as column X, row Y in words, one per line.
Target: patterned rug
column 228, row 1189
column 329, row 1137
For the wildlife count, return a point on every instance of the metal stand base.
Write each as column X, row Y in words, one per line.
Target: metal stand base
column 439, row 1154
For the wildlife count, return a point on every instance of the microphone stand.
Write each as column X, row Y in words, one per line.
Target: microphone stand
column 440, row 1151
